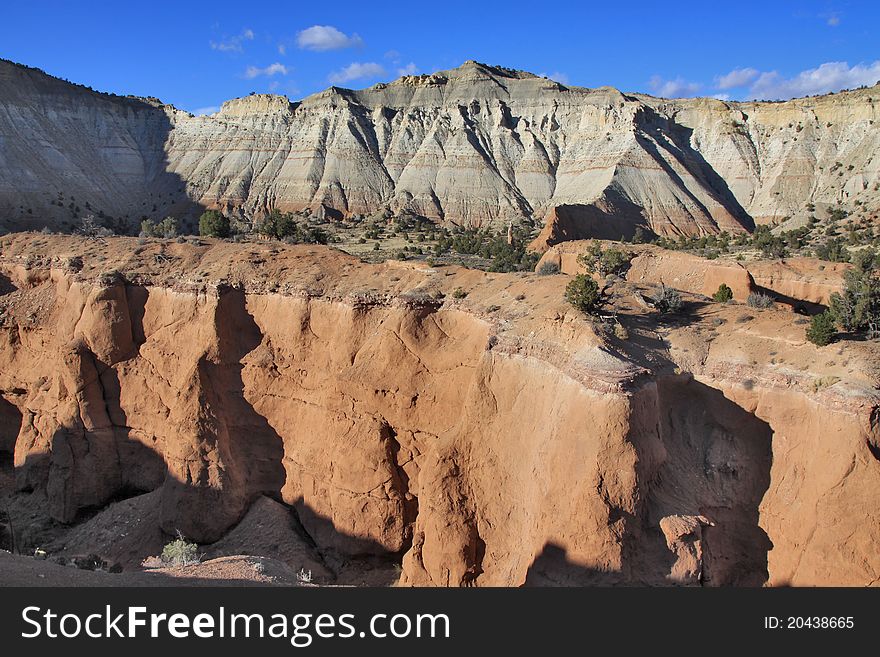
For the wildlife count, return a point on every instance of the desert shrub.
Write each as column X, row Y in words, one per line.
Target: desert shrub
column 772, row 246
column 610, row 261
column 548, row 268
column 582, row 292
column 833, row 251
column 502, row 255
column 213, row 224
column 180, row 552
column 858, row 308
column 822, row 329
column 278, row 225
column 459, row 293
column 90, row 227
column 724, row 293
column 166, row 228
column 760, row 300
column 836, row 214
column 667, row 300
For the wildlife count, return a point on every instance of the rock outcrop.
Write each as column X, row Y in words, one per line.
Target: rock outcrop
column 475, row 145
column 796, row 282
column 499, row 439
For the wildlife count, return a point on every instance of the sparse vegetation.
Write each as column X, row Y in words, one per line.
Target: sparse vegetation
column 213, row 224
column 609, row 261
column 90, row 227
column 278, row 225
column 667, row 300
column 502, row 255
column 180, row 552
column 759, row 300
column 824, row 382
column 822, row 329
column 834, row 250
column 724, row 293
column 858, row 308
column 166, row 228
column 582, row 292
column 459, row 293
column 548, row 268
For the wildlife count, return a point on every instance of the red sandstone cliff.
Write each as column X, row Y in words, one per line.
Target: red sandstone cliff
column 480, row 445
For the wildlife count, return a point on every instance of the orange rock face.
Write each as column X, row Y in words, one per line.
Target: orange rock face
column 479, row 446
column 808, row 279
column 652, row 266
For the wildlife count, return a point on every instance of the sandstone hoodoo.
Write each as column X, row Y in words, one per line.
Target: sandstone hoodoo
column 477, row 146
column 442, row 425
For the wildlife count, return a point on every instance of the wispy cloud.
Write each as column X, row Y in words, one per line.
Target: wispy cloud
column 830, row 76
column 202, row 111
column 326, row 37
column 409, row 69
column 234, row 43
column 270, row 70
column 676, row 88
column 833, row 20
column 357, row 71
column 557, row 76
column 738, row 77
column 721, row 96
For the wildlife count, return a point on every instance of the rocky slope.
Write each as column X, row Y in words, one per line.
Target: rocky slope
column 474, row 145
column 496, row 439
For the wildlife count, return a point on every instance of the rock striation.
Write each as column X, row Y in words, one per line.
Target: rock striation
column 476, row 145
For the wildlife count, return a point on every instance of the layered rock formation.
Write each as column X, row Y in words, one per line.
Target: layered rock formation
column 498, row 439
column 475, row 145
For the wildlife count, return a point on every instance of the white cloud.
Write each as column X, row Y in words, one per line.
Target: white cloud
column 356, row 71
column 721, row 96
column 326, row 37
column 834, row 20
column 830, row 76
column 203, row 111
column 393, row 55
column 409, row 69
column 282, row 49
column 233, row 44
column 273, row 69
column 561, row 78
column 738, row 77
column 677, row 88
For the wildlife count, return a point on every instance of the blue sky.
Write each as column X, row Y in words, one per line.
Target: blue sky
column 198, row 54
